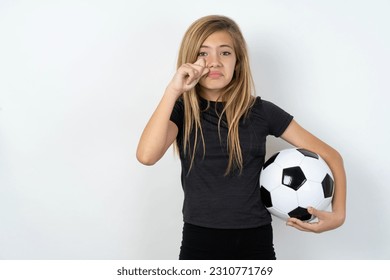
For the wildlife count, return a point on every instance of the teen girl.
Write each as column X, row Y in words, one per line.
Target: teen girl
column 219, row 128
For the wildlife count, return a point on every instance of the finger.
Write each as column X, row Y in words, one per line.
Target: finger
column 312, row 211
column 201, row 62
column 203, row 69
column 195, row 73
column 303, row 226
column 295, row 225
column 321, row 215
column 190, row 73
column 192, row 77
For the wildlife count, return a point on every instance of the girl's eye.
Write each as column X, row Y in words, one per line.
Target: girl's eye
column 202, row 54
column 226, row 53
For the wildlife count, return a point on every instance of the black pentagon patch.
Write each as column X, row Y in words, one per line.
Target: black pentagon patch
column 300, row 213
column 265, row 197
column 270, row 160
column 293, row 177
column 307, row 153
column 327, row 186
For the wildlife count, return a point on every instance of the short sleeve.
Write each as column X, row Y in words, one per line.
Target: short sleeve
column 278, row 119
column 177, row 115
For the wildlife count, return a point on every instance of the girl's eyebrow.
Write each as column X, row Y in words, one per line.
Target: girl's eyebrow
column 220, row 46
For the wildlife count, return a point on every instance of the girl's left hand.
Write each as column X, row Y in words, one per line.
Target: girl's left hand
column 326, row 221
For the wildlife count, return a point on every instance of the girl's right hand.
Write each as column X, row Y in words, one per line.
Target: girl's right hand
column 187, row 76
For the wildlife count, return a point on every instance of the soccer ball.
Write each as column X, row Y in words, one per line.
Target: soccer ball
column 294, row 179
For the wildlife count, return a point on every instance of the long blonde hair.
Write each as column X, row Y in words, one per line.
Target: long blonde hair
column 238, row 96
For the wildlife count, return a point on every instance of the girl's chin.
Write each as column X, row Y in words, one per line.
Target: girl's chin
column 212, row 87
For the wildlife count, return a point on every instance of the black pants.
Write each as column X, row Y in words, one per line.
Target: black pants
column 200, row 243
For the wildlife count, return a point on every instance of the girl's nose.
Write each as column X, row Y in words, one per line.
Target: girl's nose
column 213, row 61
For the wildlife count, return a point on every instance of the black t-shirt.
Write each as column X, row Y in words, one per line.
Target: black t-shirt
column 211, row 198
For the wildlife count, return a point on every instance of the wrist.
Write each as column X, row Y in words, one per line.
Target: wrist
column 172, row 92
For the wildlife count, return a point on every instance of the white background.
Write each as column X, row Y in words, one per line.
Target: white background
column 80, row 78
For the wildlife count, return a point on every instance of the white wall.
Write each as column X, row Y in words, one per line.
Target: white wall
column 79, row 80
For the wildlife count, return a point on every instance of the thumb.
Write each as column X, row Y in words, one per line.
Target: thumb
column 313, row 211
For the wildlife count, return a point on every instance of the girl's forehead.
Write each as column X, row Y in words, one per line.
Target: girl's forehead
column 219, row 38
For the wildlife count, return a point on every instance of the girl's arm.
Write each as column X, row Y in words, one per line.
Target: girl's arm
column 299, row 137
column 160, row 131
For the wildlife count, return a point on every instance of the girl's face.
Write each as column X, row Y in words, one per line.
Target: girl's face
column 218, row 52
